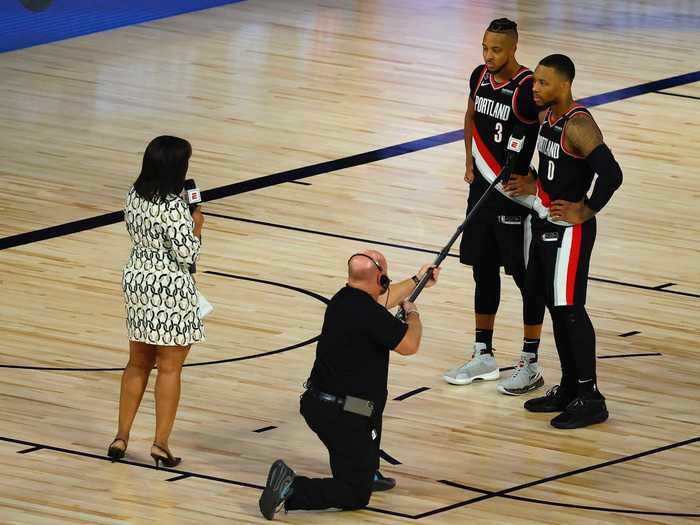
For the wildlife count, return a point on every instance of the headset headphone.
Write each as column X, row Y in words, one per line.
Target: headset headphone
column 384, row 280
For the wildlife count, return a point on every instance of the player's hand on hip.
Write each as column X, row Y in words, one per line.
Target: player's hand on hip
column 571, row 212
column 469, row 173
column 433, row 278
column 519, row 185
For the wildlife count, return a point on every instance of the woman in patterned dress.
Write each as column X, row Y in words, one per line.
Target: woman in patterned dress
column 161, row 299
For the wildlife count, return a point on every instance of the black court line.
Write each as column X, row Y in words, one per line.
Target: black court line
column 628, row 355
column 676, row 95
column 506, row 368
column 411, row 393
column 255, row 356
column 334, row 165
column 180, row 474
column 204, row 363
column 130, row 463
column 29, row 450
column 386, row 457
column 264, row 429
column 569, row 505
column 322, row 233
column 644, row 287
column 273, row 283
column 390, row 513
column 186, row 365
column 556, row 477
column 61, row 230
column 300, row 182
column 485, row 494
column 628, row 334
column 660, row 288
column 178, row 478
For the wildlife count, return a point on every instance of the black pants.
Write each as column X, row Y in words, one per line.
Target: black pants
column 354, row 458
column 557, row 268
column 488, row 244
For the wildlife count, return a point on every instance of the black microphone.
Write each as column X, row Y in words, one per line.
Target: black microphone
column 191, row 194
column 516, row 141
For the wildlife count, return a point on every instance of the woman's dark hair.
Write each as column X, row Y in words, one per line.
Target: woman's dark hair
column 165, row 164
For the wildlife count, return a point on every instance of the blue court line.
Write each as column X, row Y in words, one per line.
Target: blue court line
column 21, row 28
column 641, row 89
column 331, row 166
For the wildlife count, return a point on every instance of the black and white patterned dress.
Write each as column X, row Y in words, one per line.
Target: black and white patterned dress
column 160, row 294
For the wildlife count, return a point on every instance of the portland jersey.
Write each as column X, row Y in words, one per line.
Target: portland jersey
column 498, row 108
column 562, row 174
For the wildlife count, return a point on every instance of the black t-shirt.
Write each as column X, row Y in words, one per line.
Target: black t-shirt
column 352, row 355
column 499, row 108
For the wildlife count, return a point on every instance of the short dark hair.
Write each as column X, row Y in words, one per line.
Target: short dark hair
column 504, row 25
column 562, row 64
column 165, row 164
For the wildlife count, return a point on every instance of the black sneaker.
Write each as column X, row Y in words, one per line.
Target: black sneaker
column 555, row 400
column 583, row 411
column 381, row 483
column 277, row 489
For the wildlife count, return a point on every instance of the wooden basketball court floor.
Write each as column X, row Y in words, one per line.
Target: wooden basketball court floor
column 299, row 113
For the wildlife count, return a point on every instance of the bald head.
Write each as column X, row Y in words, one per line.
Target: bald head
column 363, row 270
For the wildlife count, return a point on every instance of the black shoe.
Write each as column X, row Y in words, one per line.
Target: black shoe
column 277, row 489
column 168, row 459
column 381, row 483
column 115, row 452
column 555, row 400
column 583, row 411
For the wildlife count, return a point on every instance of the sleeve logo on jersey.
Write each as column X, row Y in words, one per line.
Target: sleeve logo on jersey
column 492, row 108
column 515, row 144
column 547, row 147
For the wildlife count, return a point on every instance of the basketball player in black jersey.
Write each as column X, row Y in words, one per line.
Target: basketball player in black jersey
column 500, row 101
column 571, row 151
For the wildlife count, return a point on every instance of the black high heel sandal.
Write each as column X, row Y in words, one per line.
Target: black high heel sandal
column 117, row 453
column 168, row 460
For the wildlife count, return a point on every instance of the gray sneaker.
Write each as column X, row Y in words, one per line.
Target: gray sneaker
column 526, row 377
column 482, row 366
column 277, row 489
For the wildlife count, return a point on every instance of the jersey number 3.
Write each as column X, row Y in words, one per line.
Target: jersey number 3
column 499, row 133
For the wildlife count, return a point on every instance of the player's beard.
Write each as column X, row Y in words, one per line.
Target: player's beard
column 497, row 71
column 546, row 103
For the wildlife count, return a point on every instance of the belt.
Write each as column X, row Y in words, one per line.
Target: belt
column 328, row 398
column 512, row 220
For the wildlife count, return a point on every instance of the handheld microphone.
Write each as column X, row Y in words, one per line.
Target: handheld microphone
column 191, row 194
column 514, row 146
column 516, row 141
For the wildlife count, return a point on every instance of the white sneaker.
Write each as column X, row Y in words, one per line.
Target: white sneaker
column 526, row 377
column 482, row 366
